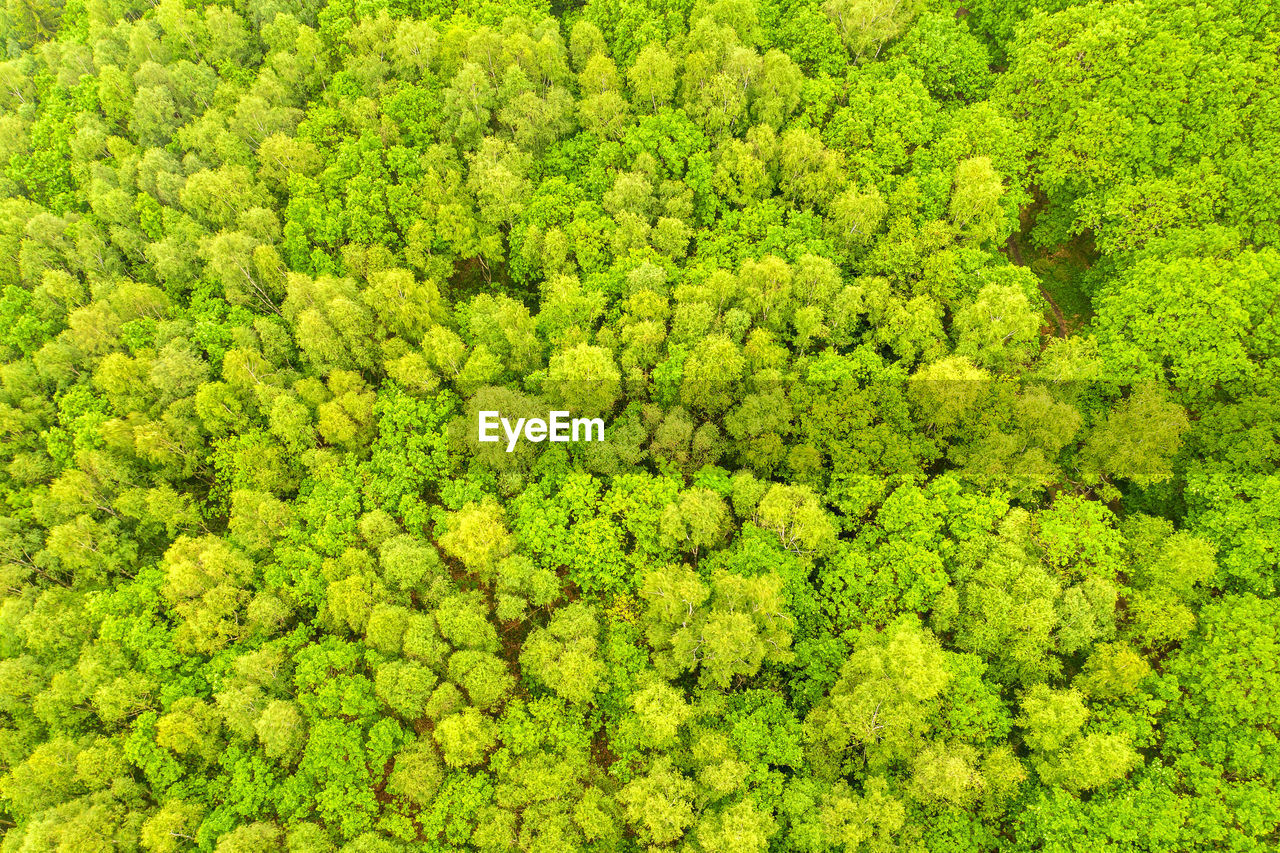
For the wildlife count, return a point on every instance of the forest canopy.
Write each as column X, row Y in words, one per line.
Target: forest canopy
column 937, row 344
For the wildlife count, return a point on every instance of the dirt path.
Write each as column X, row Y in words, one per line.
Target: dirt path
column 1015, row 254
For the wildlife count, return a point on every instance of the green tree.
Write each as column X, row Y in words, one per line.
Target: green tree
column 564, row 655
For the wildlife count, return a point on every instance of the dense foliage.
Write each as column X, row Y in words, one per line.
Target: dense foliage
column 938, row 345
